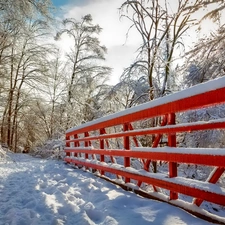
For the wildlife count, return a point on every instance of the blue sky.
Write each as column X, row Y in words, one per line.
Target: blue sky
column 59, row 3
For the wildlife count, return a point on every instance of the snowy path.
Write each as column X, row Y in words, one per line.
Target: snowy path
column 48, row 192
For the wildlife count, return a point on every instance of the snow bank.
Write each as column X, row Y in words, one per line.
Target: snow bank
column 53, row 149
column 5, row 154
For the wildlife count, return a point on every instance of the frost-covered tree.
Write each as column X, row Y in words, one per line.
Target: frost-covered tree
column 24, row 67
column 54, row 91
column 129, row 92
column 25, row 8
column 204, row 139
column 86, row 71
column 22, row 24
column 161, row 25
column 205, row 62
column 14, row 14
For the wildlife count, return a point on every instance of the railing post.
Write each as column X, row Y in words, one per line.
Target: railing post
column 67, row 144
column 214, row 177
column 126, row 145
column 102, row 157
column 76, row 144
column 134, row 137
column 172, row 143
column 86, row 143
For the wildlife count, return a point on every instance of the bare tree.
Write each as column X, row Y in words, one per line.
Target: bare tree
column 84, row 60
column 54, row 90
column 25, row 67
column 161, row 25
column 14, row 14
column 22, row 23
column 204, row 61
column 26, row 8
column 129, row 91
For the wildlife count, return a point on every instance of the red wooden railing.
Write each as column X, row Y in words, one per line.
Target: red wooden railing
column 88, row 145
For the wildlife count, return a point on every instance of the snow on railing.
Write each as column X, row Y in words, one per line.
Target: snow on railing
column 94, row 145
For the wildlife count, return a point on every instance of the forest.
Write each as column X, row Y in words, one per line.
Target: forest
column 44, row 90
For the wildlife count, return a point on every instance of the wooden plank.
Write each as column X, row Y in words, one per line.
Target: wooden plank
column 209, row 125
column 204, row 99
column 197, row 159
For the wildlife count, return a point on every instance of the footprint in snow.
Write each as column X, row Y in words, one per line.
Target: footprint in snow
column 109, row 221
column 93, row 214
column 58, row 177
column 63, row 188
column 42, row 185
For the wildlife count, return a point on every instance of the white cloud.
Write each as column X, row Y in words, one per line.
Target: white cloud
column 121, row 51
column 106, row 14
column 120, row 57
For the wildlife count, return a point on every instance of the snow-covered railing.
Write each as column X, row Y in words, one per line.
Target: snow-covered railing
column 90, row 145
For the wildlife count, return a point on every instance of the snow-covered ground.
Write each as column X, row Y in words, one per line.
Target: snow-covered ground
column 39, row 191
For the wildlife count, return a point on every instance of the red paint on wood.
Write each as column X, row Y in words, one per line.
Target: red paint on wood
column 213, row 179
column 193, row 102
column 172, row 143
column 162, row 130
column 126, row 145
column 102, row 157
column 166, row 183
column 67, row 145
column 191, row 158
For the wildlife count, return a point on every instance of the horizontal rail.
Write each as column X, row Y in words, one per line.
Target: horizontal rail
column 217, row 158
column 98, row 139
column 192, row 98
column 209, row 217
column 189, row 187
column 195, row 126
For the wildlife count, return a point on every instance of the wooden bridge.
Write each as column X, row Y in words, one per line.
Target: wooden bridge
column 92, row 146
